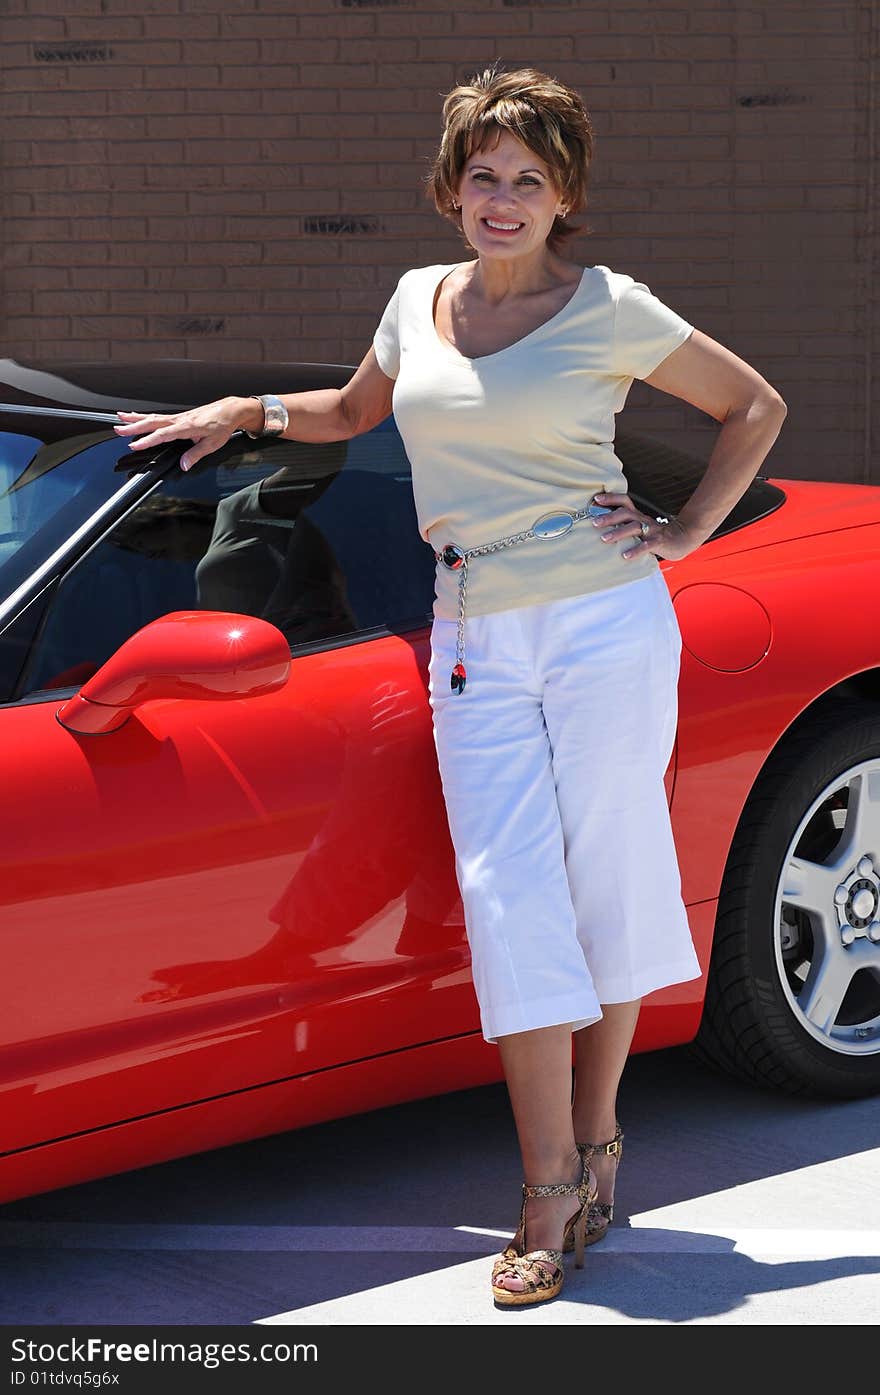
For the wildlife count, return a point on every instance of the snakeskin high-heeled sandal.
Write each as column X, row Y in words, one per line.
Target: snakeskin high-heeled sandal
column 600, row 1213
column 542, row 1270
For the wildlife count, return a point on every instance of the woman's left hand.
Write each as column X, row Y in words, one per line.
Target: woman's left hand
column 671, row 540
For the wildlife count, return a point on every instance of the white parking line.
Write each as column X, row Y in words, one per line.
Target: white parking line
column 460, row 1240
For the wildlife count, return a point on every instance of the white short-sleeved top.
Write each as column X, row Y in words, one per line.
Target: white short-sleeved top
column 496, row 441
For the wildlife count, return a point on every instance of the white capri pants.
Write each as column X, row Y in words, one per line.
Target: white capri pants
column 552, row 763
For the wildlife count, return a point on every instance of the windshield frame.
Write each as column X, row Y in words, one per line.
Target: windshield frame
column 145, row 474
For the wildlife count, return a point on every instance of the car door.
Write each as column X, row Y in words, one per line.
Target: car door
column 220, row 894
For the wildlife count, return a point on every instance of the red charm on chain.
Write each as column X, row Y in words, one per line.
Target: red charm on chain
column 459, row 678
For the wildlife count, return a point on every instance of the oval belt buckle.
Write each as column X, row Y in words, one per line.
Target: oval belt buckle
column 452, row 556
column 553, row 525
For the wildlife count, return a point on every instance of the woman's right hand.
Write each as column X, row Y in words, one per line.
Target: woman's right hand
column 208, row 427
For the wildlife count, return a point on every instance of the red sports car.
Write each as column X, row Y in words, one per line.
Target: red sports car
column 229, row 904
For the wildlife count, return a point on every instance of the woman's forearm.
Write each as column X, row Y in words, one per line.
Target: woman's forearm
column 739, row 451
column 313, row 416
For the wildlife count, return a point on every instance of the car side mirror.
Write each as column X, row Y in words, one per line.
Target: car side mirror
column 185, row 654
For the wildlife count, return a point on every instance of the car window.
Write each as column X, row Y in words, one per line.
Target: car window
column 321, row 540
column 51, row 481
column 661, row 478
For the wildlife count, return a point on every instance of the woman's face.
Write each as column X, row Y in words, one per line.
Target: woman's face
column 508, row 199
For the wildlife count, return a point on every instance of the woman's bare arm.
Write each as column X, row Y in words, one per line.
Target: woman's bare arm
column 708, row 376
column 717, row 381
column 325, row 414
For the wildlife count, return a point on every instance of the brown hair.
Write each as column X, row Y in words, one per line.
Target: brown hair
column 548, row 117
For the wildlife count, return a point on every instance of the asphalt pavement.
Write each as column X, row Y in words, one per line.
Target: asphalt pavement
column 734, row 1206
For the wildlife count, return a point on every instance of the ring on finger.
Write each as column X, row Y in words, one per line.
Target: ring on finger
column 644, row 528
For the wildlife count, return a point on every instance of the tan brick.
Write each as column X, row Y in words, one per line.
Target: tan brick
column 19, row 230
column 338, row 124
column 337, row 75
column 114, row 327
column 288, row 99
column 221, row 152
column 496, row 23
column 14, row 103
column 398, row 20
column 258, row 278
column 144, row 7
column 187, row 176
column 346, row 24
column 19, row 206
column 103, row 176
column 308, row 201
column 94, row 77
column 154, row 152
column 279, row 150
column 85, row 152
column 223, row 50
column 152, row 347
column 224, row 100
column 477, row 53
column 113, row 229
column 109, row 29
column 419, row 74
column 20, row 302
column 71, row 204
column 186, row 277
column 648, row 19
column 74, row 350
column 32, row 78
column 282, row 51
column 151, row 302
column 185, row 78
column 142, row 99
column 32, row 30
column 381, row 100
column 225, row 253
column 16, row 326
column 223, row 302
column 36, row 277
column 183, row 27
column 106, row 127
column 68, row 103
column 307, row 251
column 379, row 200
column 69, row 302
column 262, row 25
column 108, row 278
column 66, row 253
column 187, row 126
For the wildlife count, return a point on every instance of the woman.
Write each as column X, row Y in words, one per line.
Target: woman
column 554, row 646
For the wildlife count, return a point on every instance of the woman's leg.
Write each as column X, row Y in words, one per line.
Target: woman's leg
column 601, row 1051
column 537, row 1068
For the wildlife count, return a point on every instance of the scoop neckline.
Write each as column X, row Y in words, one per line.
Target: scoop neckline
column 508, row 348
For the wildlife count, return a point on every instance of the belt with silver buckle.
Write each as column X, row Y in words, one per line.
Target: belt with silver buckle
column 549, row 525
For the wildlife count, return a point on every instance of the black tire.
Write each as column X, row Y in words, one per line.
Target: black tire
column 749, row 1028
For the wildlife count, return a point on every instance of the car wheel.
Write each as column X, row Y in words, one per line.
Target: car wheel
column 793, row 994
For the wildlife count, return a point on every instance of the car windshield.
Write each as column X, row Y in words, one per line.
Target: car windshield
column 51, row 482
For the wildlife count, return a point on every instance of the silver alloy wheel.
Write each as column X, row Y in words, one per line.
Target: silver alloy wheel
column 827, row 915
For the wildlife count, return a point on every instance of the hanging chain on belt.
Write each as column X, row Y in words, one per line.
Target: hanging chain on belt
column 549, row 525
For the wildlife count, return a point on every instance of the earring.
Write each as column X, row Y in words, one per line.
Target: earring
column 456, row 206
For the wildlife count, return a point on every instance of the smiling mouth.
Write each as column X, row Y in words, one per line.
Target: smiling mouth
column 498, row 226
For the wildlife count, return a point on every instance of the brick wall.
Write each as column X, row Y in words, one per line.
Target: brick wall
column 240, row 179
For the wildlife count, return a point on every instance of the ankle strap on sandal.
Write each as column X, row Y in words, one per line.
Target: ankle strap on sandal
column 613, row 1147
column 552, row 1188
